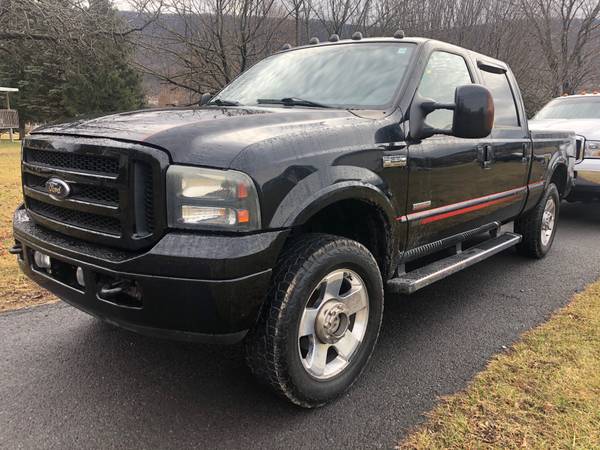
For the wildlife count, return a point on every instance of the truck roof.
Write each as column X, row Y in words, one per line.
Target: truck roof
column 488, row 60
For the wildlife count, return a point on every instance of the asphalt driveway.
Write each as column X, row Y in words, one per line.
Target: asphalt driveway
column 68, row 380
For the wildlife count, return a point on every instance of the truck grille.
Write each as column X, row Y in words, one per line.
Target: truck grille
column 73, row 161
column 80, row 219
column 114, row 189
column 84, row 192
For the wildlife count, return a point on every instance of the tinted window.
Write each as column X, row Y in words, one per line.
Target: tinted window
column 347, row 75
column 505, row 109
column 443, row 74
column 571, row 108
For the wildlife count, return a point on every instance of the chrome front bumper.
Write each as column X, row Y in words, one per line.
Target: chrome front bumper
column 587, row 183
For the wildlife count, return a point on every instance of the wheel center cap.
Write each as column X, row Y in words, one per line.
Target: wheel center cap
column 332, row 322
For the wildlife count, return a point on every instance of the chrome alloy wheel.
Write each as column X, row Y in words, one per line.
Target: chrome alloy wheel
column 333, row 324
column 548, row 221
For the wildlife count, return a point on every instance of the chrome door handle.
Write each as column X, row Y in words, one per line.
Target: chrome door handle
column 485, row 155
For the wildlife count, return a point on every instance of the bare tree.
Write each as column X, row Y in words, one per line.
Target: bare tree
column 566, row 31
column 207, row 43
column 300, row 12
column 201, row 45
column 72, row 24
column 336, row 15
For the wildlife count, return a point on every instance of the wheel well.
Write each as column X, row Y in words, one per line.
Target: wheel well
column 559, row 178
column 357, row 220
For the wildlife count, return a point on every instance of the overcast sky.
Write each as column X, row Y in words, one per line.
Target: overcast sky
column 122, row 4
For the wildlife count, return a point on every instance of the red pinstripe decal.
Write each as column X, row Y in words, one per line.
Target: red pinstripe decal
column 458, row 212
column 537, row 184
column 511, row 195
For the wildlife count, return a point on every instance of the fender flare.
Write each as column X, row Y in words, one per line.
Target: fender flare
column 345, row 190
column 325, row 187
column 356, row 191
column 559, row 160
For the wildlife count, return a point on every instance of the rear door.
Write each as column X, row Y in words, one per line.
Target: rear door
column 508, row 147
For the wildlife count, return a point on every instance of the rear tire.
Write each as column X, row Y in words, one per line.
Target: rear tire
column 320, row 322
column 538, row 226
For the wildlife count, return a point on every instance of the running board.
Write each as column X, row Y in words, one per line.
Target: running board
column 414, row 280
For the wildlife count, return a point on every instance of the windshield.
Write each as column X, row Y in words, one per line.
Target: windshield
column 364, row 75
column 571, row 108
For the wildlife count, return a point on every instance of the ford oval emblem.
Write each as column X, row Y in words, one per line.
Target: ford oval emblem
column 58, row 189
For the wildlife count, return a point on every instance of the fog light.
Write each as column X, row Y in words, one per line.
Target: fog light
column 42, row 260
column 79, row 277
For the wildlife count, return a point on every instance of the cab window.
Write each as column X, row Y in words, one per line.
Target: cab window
column 443, row 74
column 505, row 108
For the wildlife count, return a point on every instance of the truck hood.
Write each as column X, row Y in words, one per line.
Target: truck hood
column 209, row 136
column 588, row 128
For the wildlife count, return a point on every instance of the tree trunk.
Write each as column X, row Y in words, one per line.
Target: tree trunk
column 297, row 26
column 21, row 129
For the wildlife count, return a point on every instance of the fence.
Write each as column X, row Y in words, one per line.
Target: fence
column 9, row 119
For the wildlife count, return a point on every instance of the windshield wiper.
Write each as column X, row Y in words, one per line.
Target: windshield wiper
column 290, row 101
column 220, row 102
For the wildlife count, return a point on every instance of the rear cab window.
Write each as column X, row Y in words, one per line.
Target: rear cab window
column 505, row 106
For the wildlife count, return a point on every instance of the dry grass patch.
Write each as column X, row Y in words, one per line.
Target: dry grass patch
column 5, row 135
column 16, row 291
column 543, row 393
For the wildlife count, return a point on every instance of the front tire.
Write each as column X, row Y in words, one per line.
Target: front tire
column 538, row 226
column 321, row 320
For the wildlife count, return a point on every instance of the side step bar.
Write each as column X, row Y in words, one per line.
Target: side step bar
column 413, row 281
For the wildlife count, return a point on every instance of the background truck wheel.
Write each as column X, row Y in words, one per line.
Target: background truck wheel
column 320, row 322
column 538, row 226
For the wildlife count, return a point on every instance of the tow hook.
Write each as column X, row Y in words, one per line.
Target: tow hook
column 125, row 293
column 16, row 249
column 113, row 290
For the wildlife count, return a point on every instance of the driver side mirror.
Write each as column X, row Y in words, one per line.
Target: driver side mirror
column 473, row 114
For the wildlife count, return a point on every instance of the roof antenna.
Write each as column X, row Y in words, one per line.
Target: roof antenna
column 399, row 34
column 286, row 46
column 334, row 38
column 314, row 41
column 357, row 36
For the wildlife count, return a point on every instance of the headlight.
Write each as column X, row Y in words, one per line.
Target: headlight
column 592, row 149
column 210, row 199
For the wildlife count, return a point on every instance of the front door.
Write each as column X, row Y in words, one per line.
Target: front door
column 445, row 173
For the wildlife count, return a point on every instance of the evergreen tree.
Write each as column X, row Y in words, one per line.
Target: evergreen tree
column 72, row 61
column 104, row 85
column 102, row 81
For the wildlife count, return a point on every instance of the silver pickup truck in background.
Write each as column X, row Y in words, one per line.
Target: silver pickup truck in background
column 581, row 114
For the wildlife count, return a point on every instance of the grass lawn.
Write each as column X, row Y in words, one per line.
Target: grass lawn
column 15, row 290
column 543, row 393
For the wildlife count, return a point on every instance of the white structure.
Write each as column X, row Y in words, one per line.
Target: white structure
column 8, row 118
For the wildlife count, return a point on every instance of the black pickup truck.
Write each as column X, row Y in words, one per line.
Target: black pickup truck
column 279, row 211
